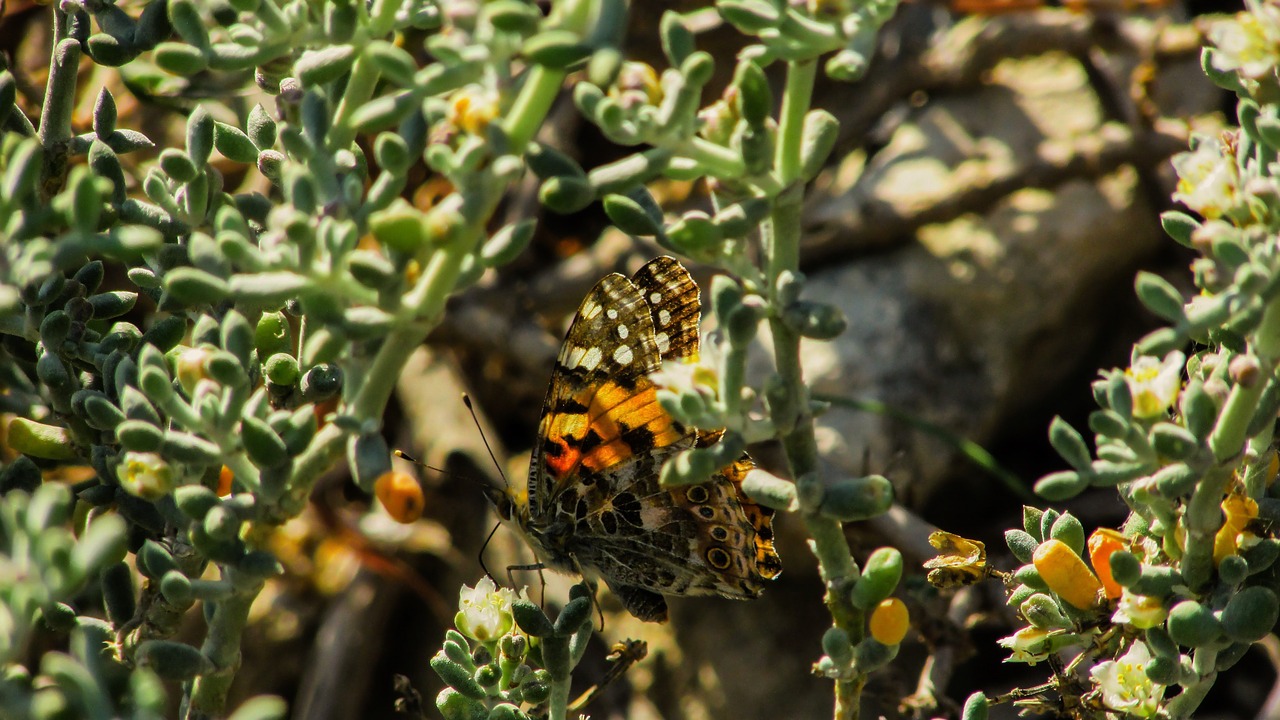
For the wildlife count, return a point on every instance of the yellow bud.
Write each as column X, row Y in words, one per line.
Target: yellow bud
column 889, row 622
column 1066, row 574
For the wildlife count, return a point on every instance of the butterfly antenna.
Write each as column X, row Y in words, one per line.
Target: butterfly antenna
column 480, row 556
column 466, row 400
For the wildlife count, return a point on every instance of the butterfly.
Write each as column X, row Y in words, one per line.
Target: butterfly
column 592, row 503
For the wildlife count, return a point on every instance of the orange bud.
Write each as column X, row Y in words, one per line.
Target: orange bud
column 225, row 476
column 1102, row 543
column 1238, row 510
column 889, row 621
column 1066, row 574
column 401, row 495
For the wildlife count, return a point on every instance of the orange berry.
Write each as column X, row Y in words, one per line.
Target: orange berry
column 225, row 476
column 401, row 495
column 1102, row 543
column 1066, row 574
column 889, row 621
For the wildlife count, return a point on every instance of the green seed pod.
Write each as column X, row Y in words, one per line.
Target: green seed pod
column 1250, row 615
column 272, row 335
column 769, row 490
column 191, row 449
column 399, row 227
column 282, row 369
column 750, row 16
column 221, row 524
column 456, row 677
column 385, row 111
column 1175, row 480
column 975, row 708
column 58, row 617
column 191, row 286
column 317, row 67
column 264, row 447
column 835, row 643
column 110, row 51
column 507, row 243
column 487, row 676
column 369, row 458
column 1262, row 555
column 1021, row 543
column 1159, row 296
column 102, row 544
column 394, row 63
column 1193, row 625
column 180, row 58
column 118, row 594
column 555, row 49
column 815, row 320
column 199, row 131
column 234, row 144
column 565, row 194
column 266, row 289
column 1179, row 226
column 854, row 499
column 576, row 613
column 1163, row 670
column 531, row 619
column 173, row 660
column 154, row 561
column 754, row 98
column 195, row 500
column 879, row 577
column 1069, row 530
column 177, row 164
column 139, row 436
column 112, row 304
column 321, row 382
column 1126, row 568
column 1069, row 444
column 454, row 705
column 1043, row 612
column 871, row 654
column 1028, row 575
column 694, row 232
column 1173, row 441
column 513, row 16
column 507, row 711
column 818, row 139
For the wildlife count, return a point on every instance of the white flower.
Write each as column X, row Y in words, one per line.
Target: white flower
column 1125, row 686
column 1249, row 42
column 1208, row 178
column 1155, row 384
column 1140, row 611
column 1029, row 645
column 484, row 612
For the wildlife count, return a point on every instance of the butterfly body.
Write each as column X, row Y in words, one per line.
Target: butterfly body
column 592, row 502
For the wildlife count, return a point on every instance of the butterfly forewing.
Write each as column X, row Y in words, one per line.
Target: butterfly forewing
column 674, row 305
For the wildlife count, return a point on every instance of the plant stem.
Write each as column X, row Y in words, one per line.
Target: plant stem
column 208, row 694
column 792, row 413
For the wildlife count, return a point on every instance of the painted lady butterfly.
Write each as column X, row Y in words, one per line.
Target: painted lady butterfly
column 592, row 503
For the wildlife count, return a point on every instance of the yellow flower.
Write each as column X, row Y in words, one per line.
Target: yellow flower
column 484, row 612
column 1155, row 384
column 1240, row 510
column 1029, row 645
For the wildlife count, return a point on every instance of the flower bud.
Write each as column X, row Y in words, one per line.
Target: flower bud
column 889, row 622
column 1066, row 574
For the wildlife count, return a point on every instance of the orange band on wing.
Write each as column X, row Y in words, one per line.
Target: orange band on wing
column 620, row 423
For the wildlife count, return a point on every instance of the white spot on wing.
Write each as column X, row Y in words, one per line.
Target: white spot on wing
column 664, row 342
column 655, row 298
column 622, row 355
column 612, row 313
column 623, row 332
column 664, row 317
column 591, row 358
